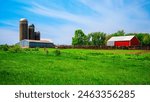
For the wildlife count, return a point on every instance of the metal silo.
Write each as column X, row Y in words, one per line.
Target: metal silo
column 37, row 35
column 23, row 29
column 31, row 32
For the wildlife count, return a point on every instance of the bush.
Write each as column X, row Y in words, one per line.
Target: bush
column 46, row 51
column 15, row 49
column 57, row 52
column 27, row 49
column 4, row 47
column 35, row 49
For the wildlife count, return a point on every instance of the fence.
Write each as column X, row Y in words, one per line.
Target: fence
column 103, row 47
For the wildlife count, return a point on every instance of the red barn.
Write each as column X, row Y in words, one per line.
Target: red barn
column 123, row 41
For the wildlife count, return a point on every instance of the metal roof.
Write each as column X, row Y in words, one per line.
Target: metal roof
column 121, row 38
column 41, row 41
column 23, row 19
column 32, row 25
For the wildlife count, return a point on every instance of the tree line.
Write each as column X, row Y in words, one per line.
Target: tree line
column 101, row 38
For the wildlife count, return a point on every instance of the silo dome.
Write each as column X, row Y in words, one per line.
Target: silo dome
column 23, row 19
column 32, row 25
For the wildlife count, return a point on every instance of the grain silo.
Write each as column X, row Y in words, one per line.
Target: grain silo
column 31, row 32
column 29, row 38
column 37, row 35
column 23, row 29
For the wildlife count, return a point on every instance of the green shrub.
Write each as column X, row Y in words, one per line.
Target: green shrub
column 27, row 49
column 46, row 51
column 35, row 49
column 57, row 52
column 15, row 49
column 4, row 47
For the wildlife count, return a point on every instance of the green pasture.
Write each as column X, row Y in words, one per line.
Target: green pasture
column 75, row 67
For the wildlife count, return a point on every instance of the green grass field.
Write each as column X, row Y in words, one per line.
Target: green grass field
column 75, row 67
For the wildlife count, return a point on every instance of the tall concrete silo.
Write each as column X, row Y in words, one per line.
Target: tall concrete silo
column 31, row 32
column 37, row 35
column 23, row 29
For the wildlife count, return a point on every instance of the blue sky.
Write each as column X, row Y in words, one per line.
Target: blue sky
column 58, row 19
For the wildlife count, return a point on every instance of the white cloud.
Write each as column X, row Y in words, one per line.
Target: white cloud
column 108, row 16
column 58, row 34
column 47, row 11
column 8, row 36
column 12, row 23
column 116, row 14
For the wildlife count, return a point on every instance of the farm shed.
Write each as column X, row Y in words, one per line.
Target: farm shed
column 123, row 41
column 35, row 43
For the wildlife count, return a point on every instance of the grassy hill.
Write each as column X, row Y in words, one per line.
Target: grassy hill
column 75, row 67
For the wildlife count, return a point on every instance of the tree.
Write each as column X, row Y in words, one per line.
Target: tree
column 79, row 38
column 119, row 33
column 89, row 39
column 140, row 36
column 107, row 38
column 146, row 40
column 98, row 38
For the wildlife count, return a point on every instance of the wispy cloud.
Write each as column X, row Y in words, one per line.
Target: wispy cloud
column 97, row 15
column 10, row 23
column 61, row 14
column 63, row 34
column 128, row 16
column 110, row 16
column 8, row 36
